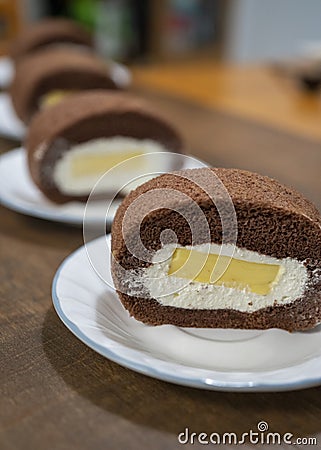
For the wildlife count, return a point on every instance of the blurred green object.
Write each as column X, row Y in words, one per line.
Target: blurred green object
column 84, row 11
column 110, row 21
column 116, row 33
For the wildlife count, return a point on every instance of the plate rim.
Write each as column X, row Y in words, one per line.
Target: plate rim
column 54, row 215
column 58, row 217
column 161, row 374
column 14, row 135
column 5, row 60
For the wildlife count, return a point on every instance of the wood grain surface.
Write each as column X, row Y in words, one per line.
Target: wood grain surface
column 56, row 393
column 264, row 94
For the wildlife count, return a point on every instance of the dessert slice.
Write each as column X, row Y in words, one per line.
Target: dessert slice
column 72, row 144
column 226, row 249
column 51, row 31
column 44, row 78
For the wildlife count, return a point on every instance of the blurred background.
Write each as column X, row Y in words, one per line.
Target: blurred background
column 136, row 30
column 259, row 60
column 247, row 70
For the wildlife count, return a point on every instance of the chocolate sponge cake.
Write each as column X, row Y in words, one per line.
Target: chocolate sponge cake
column 72, row 144
column 49, row 32
column 218, row 248
column 46, row 76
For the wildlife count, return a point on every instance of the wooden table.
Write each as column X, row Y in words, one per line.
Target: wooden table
column 264, row 94
column 56, row 393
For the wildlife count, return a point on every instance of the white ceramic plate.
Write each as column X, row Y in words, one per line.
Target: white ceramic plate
column 6, row 71
column 18, row 192
column 229, row 360
column 10, row 125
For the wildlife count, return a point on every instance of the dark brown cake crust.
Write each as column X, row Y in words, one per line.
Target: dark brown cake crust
column 55, row 69
column 90, row 115
column 49, row 32
column 272, row 220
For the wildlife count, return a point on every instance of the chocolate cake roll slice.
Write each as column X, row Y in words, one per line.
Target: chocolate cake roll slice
column 72, row 144
column 218, row 248
column 45, row 77
column 51, row 31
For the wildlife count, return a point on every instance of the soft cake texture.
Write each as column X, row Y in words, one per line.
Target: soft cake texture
column 109, row 126
column 47, row 32
column 55, row 69
column 274, row 223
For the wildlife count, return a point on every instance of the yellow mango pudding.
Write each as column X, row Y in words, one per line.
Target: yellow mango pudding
column 53, row 97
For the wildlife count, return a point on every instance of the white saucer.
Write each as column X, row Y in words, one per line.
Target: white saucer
column 10, row 125
column 18, row 192
column 228, row 360
column 6, row 72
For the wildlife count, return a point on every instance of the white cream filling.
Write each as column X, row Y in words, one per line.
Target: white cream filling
column 69, row 183
column 173, row 291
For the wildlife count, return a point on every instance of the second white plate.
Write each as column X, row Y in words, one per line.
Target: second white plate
column 18, row 192
column 10, row 125
column 6, row 72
